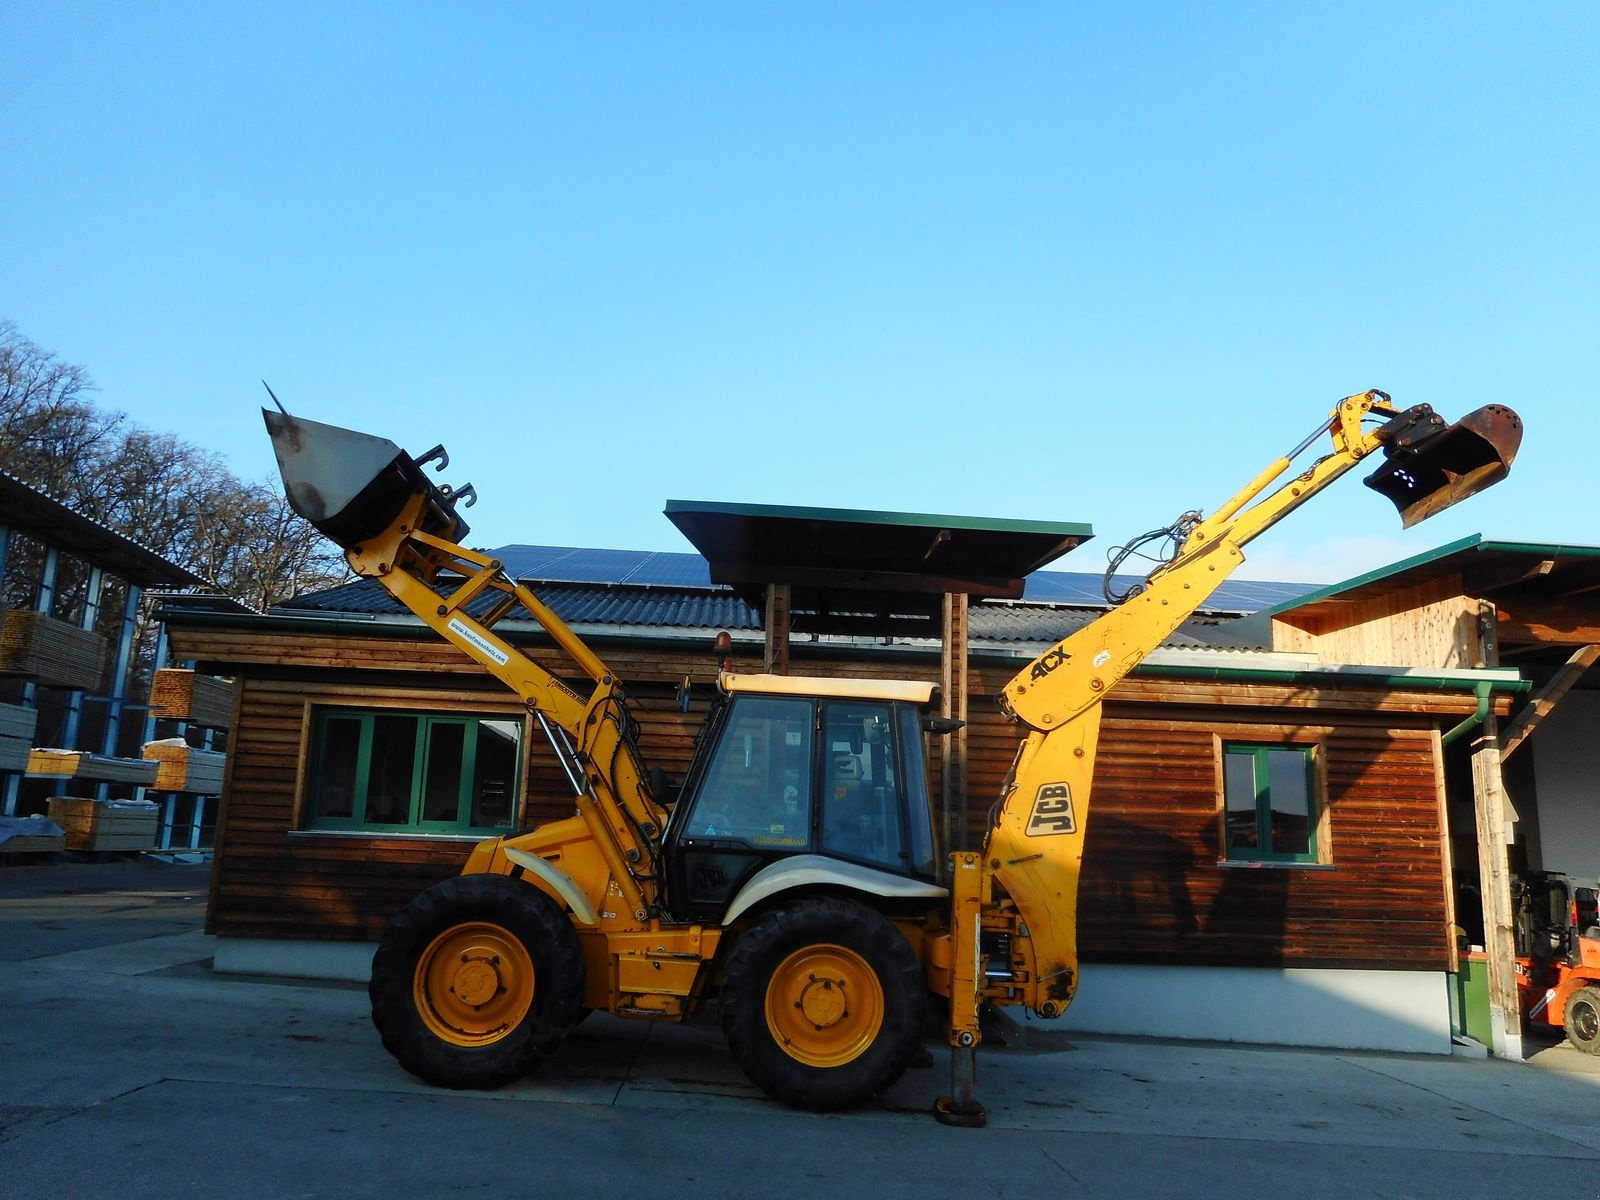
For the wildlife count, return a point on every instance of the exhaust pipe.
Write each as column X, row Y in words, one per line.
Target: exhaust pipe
column 1431, row 465
column 352, row 485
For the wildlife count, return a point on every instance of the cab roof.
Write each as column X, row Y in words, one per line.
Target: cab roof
column 911, row 691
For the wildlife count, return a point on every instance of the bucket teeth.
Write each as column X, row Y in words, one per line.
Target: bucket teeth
column 1430, row 466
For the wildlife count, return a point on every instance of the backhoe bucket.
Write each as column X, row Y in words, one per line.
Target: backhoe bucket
column 352, row 485
column 1429, row 469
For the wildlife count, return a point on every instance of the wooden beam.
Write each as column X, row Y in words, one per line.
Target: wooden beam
column 1569, row 593
column 1448, row 871
column 1552, row 622
column 1494, row 884
column 953, row 689
column 1482, row 580
column 1547, row 698
column 844, row 579
column 776, row 659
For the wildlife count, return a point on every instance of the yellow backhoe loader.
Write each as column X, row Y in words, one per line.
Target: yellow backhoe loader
column 793, row 877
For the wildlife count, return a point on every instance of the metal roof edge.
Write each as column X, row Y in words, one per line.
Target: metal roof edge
column 176, row 574
column 880, row 517
column 1470, row 542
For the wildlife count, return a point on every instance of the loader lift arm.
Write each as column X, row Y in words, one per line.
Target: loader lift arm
column 404, row 531
column 1023, row 884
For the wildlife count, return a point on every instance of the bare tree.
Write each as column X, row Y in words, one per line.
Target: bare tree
column 166, row 493
column 47, row 425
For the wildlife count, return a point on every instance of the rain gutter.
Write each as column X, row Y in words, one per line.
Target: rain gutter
column 1483, row 688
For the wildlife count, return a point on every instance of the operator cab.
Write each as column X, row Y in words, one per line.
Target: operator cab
column 791, row 765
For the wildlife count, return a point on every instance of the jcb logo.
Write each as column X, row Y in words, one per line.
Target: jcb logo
column 1049, row 661
column 1052, row 811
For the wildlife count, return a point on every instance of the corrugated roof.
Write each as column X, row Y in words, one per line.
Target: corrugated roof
column 658, row 568
column 657, row 609
column 26, row 509
column 576, row 603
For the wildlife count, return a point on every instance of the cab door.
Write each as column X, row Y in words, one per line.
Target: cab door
column 751, row 803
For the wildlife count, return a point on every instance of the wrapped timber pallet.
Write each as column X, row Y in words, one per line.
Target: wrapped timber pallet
column 184, row 768
column 180, row 695
column 16, row 736
column 50, row 652
column 80, row 764
column 30, row 835
column 105, row 824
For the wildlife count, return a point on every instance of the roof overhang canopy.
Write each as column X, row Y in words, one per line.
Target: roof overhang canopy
column 858, row 570
column 27, row 510
column 1546, row 595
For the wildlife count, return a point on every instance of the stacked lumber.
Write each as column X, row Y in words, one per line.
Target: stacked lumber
column 184, row 768
column 31, row 835
column 181, row 695
column 51, row 652
column 80, row 764
column 105, row 824
column 16, row 736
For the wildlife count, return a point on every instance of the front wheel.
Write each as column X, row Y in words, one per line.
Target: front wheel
column 1583, row 1019
column 475, row 981
column 823, row 1003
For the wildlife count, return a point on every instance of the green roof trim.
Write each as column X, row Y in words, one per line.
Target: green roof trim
column 1470, row 542
column 873, row 517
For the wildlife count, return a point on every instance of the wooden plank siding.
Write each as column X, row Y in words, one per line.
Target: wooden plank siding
column 1153, row 890
column 1432, row 624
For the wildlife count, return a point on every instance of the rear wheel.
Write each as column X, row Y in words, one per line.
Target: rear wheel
column 1583, row 1019
column 822, row 1003
column 475, row 981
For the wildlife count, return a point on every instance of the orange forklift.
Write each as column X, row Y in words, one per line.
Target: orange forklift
column 1558, row 956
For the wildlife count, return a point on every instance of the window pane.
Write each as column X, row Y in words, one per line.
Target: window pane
column 441, row 789
column 1239, row 788
column 394, row 756
column 1291, row 802
column 336, row 771
column 919, row 812
column 758, row 787
column 494, row 784
column 860, row 797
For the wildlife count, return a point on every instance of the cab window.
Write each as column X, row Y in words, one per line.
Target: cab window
column 861, row 783
column 757, row 787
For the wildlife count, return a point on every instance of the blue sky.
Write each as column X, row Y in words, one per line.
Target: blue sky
column 1090, row 263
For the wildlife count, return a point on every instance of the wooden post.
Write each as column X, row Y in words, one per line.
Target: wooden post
column 1446, row 855
column 1494, row 880
column 953, row 703
column 1494, row 868
column 776, row 659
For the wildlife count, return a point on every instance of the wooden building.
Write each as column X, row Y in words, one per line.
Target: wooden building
column 1315, row 910
column 1522, row 792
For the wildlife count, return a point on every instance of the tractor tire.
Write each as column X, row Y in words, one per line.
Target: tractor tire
column 1582, row 1019
column 476, row 981
column 822, row 1003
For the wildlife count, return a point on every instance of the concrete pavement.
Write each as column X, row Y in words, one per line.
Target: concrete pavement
column 127, row 1068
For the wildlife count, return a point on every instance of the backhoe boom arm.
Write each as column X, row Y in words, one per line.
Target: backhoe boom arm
column 1033, row 851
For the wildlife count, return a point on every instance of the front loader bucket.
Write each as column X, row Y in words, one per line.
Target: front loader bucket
column 1428, row 470
column 352, row 485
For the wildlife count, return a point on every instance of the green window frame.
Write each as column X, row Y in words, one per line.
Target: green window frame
column 1271, row 803
column 398, row 771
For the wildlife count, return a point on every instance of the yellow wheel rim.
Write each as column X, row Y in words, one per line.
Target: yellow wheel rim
column 824, row 1005
column 473, row 984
